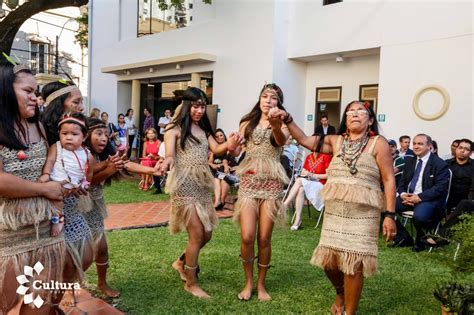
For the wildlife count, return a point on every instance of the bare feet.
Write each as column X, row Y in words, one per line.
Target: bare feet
column 246, row 293
column 338, row 307
column 68, row 299
column 262, row 294
column 195, row 290
column 108, row 291
column 178, row 265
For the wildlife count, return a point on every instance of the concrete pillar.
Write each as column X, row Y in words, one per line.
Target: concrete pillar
column 196, row 80
column 136, row 100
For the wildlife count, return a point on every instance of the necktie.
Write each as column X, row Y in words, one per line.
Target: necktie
column 414, row 180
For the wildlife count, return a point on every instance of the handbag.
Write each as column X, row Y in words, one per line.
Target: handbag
column 115, row 139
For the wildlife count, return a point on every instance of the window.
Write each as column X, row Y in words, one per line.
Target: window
column 39, row 53
column 328, row 2
column 156, row 16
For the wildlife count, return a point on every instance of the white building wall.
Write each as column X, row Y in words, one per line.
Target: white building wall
column 244, row 51
column 404, row 69
column 349, row 74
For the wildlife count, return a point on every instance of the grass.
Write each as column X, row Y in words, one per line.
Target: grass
column 141, row 270
column 126, row 191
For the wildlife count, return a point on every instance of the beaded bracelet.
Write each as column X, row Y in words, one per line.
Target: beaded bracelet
column 389, row 214
column 288, row 119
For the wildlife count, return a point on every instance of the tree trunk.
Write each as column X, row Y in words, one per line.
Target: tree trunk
column 11, row 24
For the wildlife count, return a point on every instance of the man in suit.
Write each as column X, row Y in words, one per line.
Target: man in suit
column 405, row 146
column 423, row 189
column 325, row 128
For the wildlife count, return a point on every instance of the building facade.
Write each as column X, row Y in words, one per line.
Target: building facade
column 412, row 60
column 36, row 42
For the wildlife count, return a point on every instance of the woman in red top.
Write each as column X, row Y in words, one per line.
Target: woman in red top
column 150, row 156
column 309, row 183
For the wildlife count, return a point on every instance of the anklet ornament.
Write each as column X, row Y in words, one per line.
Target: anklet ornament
column 264, row 266
column 247, row 261
column 191, row 267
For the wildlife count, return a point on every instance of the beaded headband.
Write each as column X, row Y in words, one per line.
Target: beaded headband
column 273, row 89
column 60, row 92
column 98, row 126
column 73, row 120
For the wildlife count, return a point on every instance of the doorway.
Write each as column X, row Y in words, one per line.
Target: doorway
column 328, row 102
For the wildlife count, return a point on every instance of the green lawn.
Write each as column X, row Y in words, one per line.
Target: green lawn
column 141, row 270
column 126, row 191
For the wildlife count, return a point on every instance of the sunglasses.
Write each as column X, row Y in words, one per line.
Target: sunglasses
column 356, row 112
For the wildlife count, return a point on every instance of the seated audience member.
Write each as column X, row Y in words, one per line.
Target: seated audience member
column 434, row 148
column 465, row 206
column 311, row 181
column 149, row 158
column 219, row 166
column 290, row 149
column 398, row 161
column 423, row 189
column 450, row 155
column 462, row 168
column 405, row 146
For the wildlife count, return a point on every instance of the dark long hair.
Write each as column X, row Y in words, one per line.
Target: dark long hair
column 374, row 128
column 183, row 119
column 54, row 111
column 253, row 117
column 108, row 150
column 9, row 112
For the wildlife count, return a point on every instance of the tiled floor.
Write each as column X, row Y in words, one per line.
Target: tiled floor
column 129, row 216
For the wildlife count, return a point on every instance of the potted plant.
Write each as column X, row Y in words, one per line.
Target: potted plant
column 455, row 298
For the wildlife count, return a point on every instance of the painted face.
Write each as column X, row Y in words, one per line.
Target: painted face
column 405, row 144
column 25, row 86
column 104, row 118
column 420, row 146
column 71, row 136
column 357, row 117
column 74, row 102
column 268, row 100
column 197, row 111
column 463, row 151
column 99, row 138
column 220, row 137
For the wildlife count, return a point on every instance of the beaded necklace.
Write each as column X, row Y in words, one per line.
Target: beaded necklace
column 351, row 151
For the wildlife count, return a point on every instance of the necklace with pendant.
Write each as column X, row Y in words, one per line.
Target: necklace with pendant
column 21, row 155
column 351, row 151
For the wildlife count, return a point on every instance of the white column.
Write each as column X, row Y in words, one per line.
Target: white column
column 196, row 80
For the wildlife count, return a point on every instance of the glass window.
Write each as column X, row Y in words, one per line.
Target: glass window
column 39, row 53
column 156, row 16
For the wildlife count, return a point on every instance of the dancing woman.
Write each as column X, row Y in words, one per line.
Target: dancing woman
column 188, row 138
column 261, row 184
column 26, row 206
column 348, row 247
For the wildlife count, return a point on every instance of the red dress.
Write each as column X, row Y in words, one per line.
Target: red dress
column 151, row 148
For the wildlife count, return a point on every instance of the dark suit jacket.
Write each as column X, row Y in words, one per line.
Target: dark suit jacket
column 331, row 130
column 435, row 179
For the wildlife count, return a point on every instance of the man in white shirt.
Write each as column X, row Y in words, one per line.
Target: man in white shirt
column 423, row 189
column 162, row 122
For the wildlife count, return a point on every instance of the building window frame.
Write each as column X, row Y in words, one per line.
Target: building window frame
column 329, row 2
column 39, row 56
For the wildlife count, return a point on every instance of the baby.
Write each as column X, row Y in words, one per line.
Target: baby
column 68, row 161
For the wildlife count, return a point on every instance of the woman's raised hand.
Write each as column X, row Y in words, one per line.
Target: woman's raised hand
column 235, row 140
column 277, row 114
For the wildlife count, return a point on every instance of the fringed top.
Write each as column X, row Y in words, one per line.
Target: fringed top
column 16, row 213
column 361, row 188
column 262, row 159
column 190, row 165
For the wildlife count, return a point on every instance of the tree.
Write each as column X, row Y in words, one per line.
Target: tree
column 11, row 23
